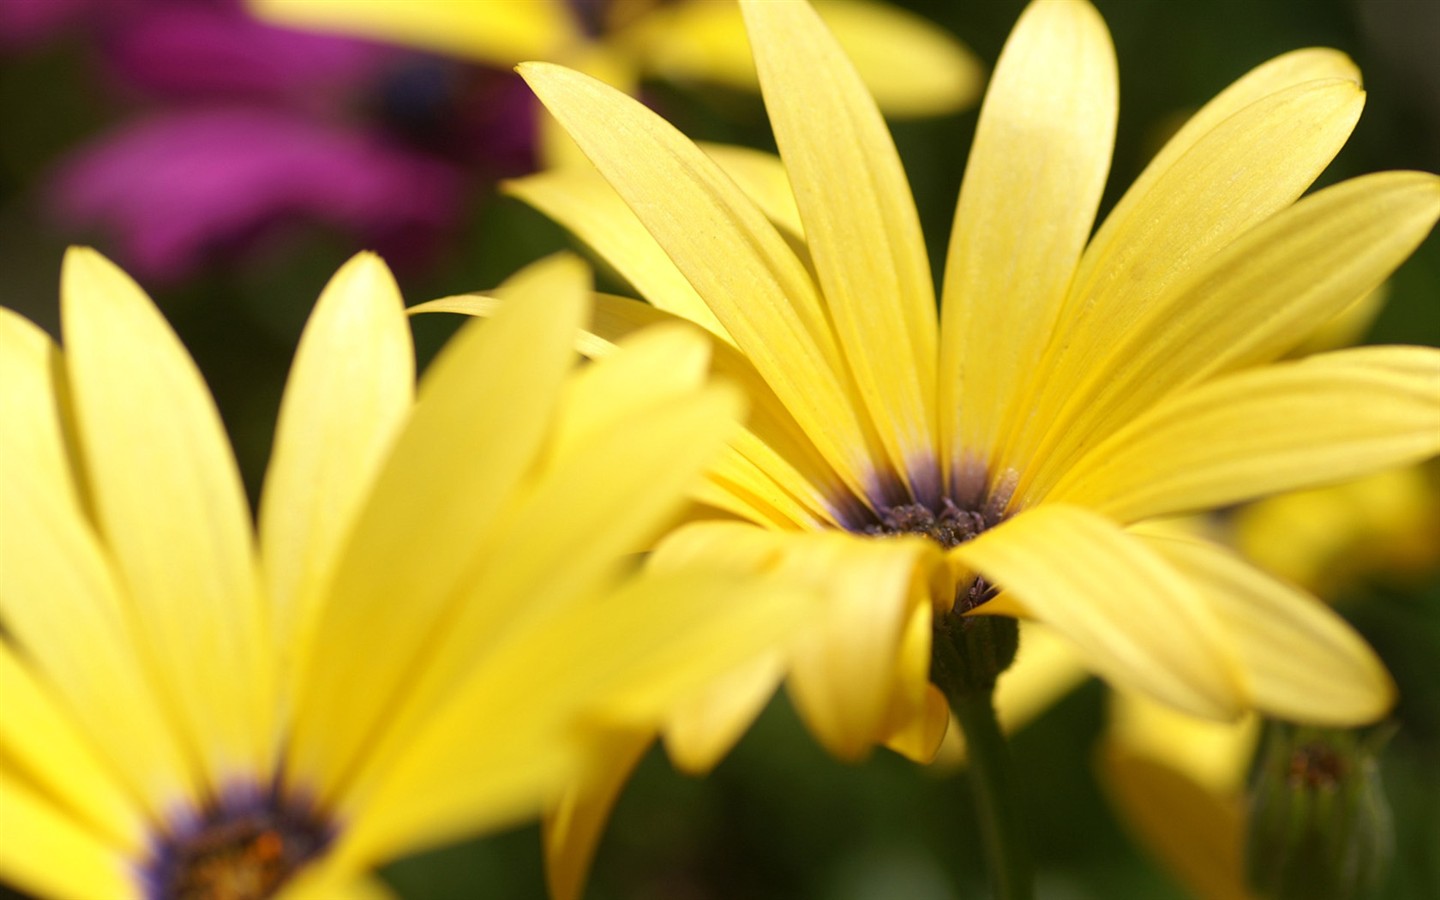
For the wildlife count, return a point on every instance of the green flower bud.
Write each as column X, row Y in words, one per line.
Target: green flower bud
column 1319, row 826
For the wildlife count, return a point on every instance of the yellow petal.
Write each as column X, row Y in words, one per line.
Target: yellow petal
column 582, row 201
column 860, row 225
column 1214, row 755
column 1243, row 170
column 172, row 510
column 1197, row 834
column 701, row 730
column 1031, row 188
column 574, row 825
column 1291, row 425
column 845, row 666
column 626, row 659
column 912, row 67
column 568, row 532
column 729, row 252
column 41, row 746
column 922, row 732
column 775, row 474
column 1046, row 669
column 650, row 367
column 46, row 852
column 62, row 605
column 484, row 408
column 350, row 388
column 319, row 882
column 1135, row 620
column 1286, row 71
column 850, row 663
column 496, row 34
column 1252, row 301
column 1299, row 660
column 31, row 393
column 763, row 178
column 1224, row 175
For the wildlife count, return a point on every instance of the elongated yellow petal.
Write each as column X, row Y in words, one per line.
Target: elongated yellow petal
column 763, row 178
column 600, row 502
column 775, row 473
column 860, row 225
column 1252, row 300
column 1197, row 834
column 622, row 659
column 1299, row 660
column 484, row 408
column 65, row 609
column 728, row 251
column 1245, row 169
column 846, row 665
column 1134, row 619
column 494, row 33
column 650, row 367
column 592, row 504
column 349, row 391
column 46, row 852
column 171, row 508
column 62, row 604
column 40, row 746
column 30, row 398
column 1282, row 427
column 582, row 201
column 1286, row 71
column 911, row 66
column 702, row 730
column 574, row 825
column 1032, row 185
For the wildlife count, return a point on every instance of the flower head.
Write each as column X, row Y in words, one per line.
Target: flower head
column 435, row 613
column 994, row 460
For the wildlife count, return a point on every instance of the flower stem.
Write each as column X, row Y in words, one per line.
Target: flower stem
column 968, row 655
column 1002, row 829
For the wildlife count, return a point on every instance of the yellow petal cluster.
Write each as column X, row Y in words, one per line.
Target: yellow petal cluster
column 435, row 618
column 1076, row 382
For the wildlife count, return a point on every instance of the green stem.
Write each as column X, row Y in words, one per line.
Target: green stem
column 1001, row 826
column 968, row 655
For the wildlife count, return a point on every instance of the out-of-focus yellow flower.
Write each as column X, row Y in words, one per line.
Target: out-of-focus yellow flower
column 911, row 66
column 435, row 615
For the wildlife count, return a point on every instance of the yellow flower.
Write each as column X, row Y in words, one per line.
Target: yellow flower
column 435, row 608
column 913, row 68
column 1073, row 385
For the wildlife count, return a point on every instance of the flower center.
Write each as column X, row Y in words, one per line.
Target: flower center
column 950, row 521
column 950, row 526
column 242, row 853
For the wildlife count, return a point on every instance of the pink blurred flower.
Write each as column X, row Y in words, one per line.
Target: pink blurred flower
column 179, row 187
column 241, row 127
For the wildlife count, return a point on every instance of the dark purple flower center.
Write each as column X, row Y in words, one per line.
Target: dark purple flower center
column 236, row 851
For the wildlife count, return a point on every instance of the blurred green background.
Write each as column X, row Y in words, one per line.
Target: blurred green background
column 779, row 818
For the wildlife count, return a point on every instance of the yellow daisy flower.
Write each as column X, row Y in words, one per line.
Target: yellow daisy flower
column 435, row 606
column 1074, row 383
column 912, row 67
